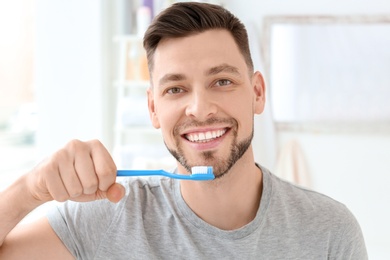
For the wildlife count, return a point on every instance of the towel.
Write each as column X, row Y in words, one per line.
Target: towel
column 291, row 164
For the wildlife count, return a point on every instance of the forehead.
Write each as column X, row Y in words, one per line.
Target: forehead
column 197, row 51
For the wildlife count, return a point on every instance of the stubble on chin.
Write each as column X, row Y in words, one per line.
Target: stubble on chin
column 221, row 166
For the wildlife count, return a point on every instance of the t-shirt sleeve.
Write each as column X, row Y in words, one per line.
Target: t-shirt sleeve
column 81, row 226
column 351, row 243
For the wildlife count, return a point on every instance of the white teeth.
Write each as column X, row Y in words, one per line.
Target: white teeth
column 206, row 136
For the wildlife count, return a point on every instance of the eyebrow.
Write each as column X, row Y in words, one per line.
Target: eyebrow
column 223, row 68
column 172, row 77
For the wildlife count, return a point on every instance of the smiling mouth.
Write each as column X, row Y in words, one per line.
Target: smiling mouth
column 204, row 137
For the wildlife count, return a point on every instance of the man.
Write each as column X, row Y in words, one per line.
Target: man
column 203, row 96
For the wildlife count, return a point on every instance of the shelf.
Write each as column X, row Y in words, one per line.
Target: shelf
column 134, row 134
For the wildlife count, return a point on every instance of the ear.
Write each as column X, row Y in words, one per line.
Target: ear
column 152, row 109
column 259, row 92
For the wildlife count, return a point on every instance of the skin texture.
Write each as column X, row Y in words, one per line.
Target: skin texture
column 198, row 89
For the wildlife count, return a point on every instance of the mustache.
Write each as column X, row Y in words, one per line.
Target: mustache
column 209, row 122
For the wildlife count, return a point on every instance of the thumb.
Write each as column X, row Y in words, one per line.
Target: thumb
column 115, row 192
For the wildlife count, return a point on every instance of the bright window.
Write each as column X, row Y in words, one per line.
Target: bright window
column 330, row 71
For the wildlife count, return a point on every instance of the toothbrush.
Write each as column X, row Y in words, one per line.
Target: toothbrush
column 198, row 173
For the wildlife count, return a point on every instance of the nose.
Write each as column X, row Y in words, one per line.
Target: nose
column 201, row 105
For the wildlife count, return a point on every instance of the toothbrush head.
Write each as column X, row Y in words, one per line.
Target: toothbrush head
column 202, row 173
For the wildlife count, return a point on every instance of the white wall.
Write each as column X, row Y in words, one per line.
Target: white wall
column 71, row 73
column 256, row 10
column 351, row 167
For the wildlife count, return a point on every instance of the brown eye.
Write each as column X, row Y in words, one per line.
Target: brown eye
column 174, row 91
column 223, row 82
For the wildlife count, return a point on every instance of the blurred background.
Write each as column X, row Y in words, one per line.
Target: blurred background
column 76, row 70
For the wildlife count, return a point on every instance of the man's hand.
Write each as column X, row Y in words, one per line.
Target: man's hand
column 81, row 171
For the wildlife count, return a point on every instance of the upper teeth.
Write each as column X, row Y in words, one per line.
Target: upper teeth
column 205, row 136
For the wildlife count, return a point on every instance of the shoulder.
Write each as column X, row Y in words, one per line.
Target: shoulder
column 306, row 217
column 308, row 206
column 300, row 197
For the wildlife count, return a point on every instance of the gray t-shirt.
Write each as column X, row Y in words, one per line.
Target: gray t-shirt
column 154, row 222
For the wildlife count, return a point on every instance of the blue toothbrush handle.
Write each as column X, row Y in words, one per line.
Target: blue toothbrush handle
column 198, row 177
column 155, row 173
column 141, row 173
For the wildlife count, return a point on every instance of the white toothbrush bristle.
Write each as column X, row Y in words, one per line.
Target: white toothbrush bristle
column 202, row 170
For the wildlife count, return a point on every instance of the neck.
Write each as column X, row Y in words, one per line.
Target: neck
column 230, row 202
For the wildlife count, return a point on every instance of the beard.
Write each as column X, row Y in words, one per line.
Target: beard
column 221, row 166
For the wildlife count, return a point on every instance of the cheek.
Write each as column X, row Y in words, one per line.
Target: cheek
column 167, row 117
column 238, row 105
column 243, row 113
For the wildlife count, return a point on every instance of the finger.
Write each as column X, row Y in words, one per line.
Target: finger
column 105, row 167
column 70, row 179
column 86, row 171
column 56, row 188
column 115, row 193
column 54, row 183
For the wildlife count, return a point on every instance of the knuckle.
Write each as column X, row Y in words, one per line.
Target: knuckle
column 75, row 146
column 95, row 143
column 90, row 187
column 75, row 192
column 53, row 163
column 59, row 156
column 106, row 170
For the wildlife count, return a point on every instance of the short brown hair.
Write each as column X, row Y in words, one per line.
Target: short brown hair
column 186, row 18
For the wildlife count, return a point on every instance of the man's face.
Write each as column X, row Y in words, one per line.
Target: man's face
column 204, row 99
